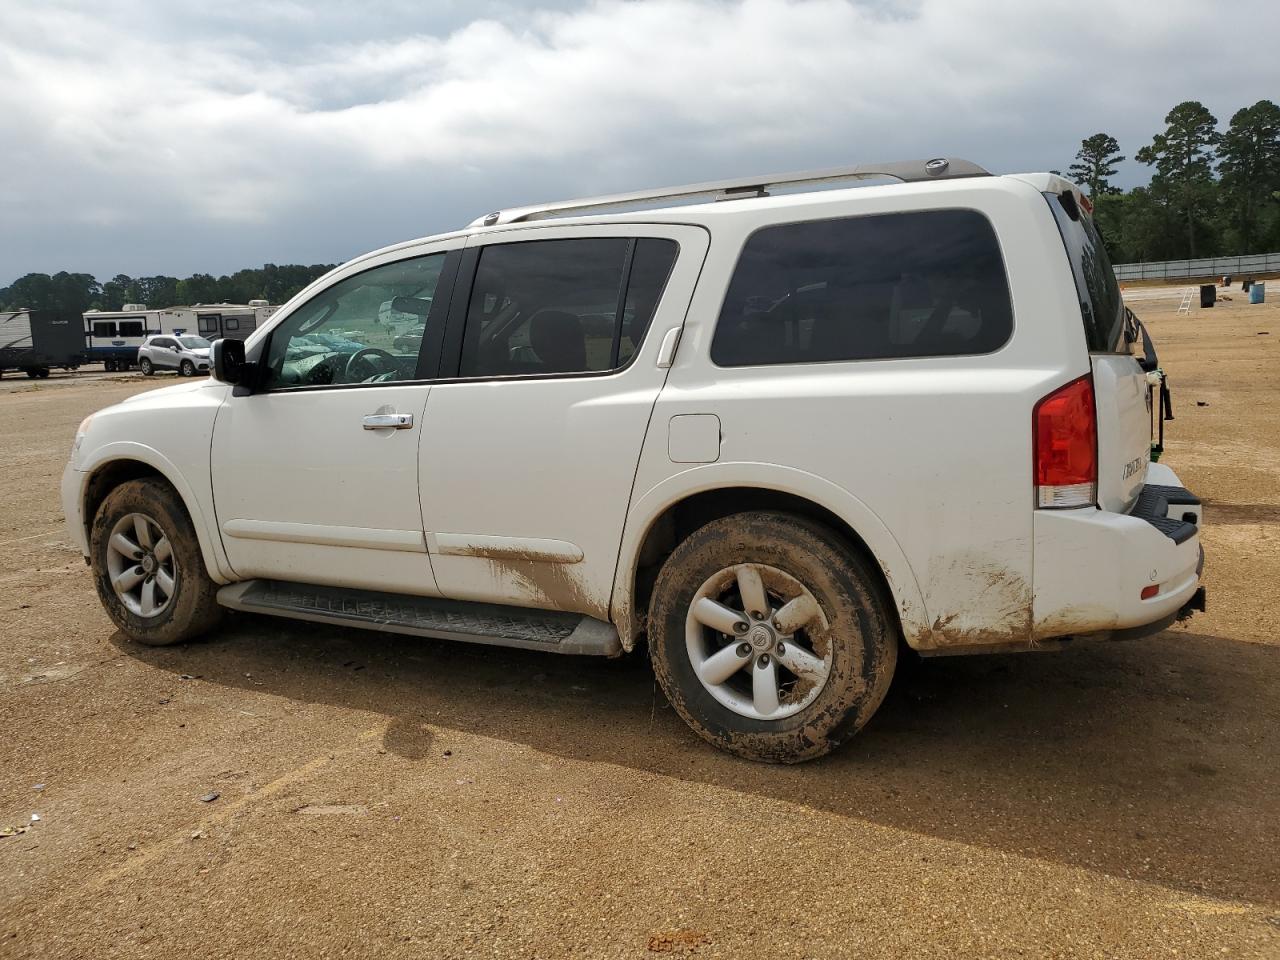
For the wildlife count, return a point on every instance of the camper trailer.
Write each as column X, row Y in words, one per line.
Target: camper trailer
column 233, row 320
column 37, row 341
column 113, row 337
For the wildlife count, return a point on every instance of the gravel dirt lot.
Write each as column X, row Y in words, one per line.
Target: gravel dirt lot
column 379, row 795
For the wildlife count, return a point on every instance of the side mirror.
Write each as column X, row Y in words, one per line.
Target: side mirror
column 228, row 361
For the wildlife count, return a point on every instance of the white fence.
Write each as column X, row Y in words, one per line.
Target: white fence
column 1240, row 268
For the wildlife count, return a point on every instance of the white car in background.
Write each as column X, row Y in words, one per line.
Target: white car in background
column 775, row 437
column 184, row 353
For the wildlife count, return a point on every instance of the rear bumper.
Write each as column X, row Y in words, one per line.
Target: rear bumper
column 1091, row 566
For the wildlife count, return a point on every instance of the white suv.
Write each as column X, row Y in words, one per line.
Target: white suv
column 776, row 436
column 182, row 352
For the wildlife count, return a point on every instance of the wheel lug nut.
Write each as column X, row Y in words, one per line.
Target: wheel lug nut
column 756, row 616
column 740, row 627
column 781, row 650
column 763, row 661
column 744, row 649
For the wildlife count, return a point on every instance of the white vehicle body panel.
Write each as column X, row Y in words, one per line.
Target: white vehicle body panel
column 969, row 552
column 1124, row 430
column 535, row 460
column 541, row 491
column 169, row 430
column 306, row 493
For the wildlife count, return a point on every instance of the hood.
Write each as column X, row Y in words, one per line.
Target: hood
column 178, row 388
column 202, row 352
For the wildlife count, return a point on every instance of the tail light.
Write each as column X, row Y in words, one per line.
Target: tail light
column 1064, row 427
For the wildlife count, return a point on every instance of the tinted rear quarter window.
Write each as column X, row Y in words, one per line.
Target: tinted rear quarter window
column 1101, row 306
column 888, row 286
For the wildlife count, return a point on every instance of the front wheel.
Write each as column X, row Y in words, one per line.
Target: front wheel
column 145, row 366
column 187, row 369
column 771, row 637
column 147, row 565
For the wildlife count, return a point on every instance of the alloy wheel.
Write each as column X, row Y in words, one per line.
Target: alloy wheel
column 756, row 637
column 140, row 565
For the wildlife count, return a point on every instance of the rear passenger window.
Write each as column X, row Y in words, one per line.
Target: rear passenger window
column 927, row 284
column 563, row 306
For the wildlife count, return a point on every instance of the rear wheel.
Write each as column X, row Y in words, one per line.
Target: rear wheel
column 187, row 368
column 145, row 366
column 770, row 637
column 147, row 565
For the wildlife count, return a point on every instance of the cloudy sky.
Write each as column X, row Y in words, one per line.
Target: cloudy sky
column 161, row 136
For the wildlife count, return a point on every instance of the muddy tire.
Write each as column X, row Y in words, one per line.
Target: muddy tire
column 826, row 644
column 147, row 565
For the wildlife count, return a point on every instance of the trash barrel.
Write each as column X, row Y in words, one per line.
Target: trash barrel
column 1208, row 294
column 1226, row 279
column 1245, row 285
column 1258, row 292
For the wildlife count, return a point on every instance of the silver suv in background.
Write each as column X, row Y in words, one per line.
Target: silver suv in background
column 186, row 354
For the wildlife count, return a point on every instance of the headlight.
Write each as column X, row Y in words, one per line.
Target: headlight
column 80, row 432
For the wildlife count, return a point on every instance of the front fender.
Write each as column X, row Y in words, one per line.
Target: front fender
column 199, row 503
column 645, row 511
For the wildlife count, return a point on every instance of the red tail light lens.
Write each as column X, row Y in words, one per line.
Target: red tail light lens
column 1064, row 428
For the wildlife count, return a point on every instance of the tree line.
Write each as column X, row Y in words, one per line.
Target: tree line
column 1212, row 192
column 77, row 292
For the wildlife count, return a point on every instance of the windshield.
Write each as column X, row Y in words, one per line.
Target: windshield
column 194, row 343
column 1101, row 306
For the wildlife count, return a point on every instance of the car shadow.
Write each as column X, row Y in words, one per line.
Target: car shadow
column 1154, row 760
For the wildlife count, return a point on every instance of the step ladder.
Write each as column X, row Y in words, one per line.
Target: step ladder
column 1186, row 300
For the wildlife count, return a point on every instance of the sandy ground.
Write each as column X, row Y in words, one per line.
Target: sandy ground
column 404, row 798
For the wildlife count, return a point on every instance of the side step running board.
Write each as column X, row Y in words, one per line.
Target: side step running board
column 489, row 623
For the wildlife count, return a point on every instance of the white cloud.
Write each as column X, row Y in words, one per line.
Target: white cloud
column 154, row 138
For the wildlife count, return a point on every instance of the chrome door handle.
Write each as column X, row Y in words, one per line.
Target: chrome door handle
column 388, row 421
column 667, row 351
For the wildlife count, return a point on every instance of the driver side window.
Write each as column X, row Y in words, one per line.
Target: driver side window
column 368, row 328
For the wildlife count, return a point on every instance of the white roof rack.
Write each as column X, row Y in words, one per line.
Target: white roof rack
column 908, row 171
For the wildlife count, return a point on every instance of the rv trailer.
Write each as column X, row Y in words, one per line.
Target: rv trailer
column 37, row 341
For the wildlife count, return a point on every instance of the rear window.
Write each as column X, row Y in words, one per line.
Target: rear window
column 893, row 286
column 1101, row 306
column 132, row 328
